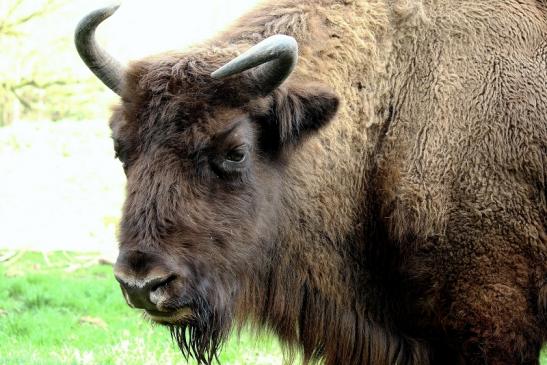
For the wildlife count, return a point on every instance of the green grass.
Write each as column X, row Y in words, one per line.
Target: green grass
column 63, row 311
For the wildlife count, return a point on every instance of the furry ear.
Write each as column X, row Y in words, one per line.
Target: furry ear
column 299, row 111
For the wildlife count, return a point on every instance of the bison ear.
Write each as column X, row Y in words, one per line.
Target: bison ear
column 299, row 111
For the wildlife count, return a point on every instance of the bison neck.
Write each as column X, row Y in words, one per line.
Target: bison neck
column 328, row 288
column 316, row 290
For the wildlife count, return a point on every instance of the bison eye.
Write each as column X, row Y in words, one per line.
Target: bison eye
column 119, row 151
column 230, row 163
column 236, row 155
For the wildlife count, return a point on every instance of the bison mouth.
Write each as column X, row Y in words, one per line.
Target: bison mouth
column 181, row 315
column 199, row 329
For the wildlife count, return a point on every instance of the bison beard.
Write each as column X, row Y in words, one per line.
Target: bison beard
column 201, row 337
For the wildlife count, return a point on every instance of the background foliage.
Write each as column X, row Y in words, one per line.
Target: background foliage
column 41, row 75
column 39, row 82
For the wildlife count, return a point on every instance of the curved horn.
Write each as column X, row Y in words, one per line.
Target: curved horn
column 276, row 57
column 106, row 68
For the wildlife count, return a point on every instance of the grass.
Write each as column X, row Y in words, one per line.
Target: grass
column 64, row 309
column 56, row 309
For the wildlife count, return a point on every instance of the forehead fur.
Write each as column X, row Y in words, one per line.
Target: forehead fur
column 184, row 79
column 172, row 97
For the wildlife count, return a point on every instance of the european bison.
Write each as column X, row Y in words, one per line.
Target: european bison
column 383, row 201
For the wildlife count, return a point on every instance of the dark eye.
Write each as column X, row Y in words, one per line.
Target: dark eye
column 121, row 154
column 118, row 151
column 231, row 163
column 236, row 155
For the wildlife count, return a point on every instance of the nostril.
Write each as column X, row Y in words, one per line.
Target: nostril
column 144, row 293
column 159, row 289
column 158, row 283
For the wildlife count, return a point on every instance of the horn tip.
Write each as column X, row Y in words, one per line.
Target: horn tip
column 218, row 74
column 111, row 7
column 286, row 40
column 95, row 17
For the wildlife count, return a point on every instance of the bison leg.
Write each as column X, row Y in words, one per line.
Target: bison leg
column 495, row 325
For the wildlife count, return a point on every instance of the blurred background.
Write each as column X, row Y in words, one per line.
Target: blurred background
column 61, row 189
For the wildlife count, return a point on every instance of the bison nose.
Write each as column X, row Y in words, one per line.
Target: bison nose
column 144, row 293
column 144, row 277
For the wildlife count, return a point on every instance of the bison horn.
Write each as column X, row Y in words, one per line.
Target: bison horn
column 104, row 66
column 276, row 56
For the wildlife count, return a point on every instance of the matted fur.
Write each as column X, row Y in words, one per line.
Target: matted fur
column 410, row 229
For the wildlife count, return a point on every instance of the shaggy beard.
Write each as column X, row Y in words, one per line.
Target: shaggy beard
column 201, row 336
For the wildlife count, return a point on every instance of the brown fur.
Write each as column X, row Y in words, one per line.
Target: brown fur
column 411, row 229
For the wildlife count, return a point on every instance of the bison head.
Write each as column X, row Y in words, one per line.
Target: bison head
column 205, row 150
